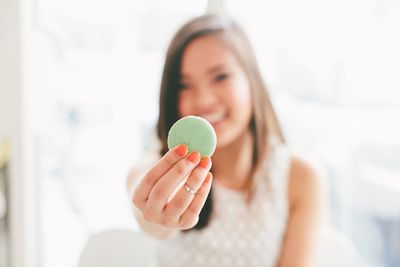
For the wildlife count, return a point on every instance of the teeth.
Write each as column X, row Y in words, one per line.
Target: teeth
column 214, row 117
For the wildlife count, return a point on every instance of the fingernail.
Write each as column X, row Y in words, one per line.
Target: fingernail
column 208, row 178
column 204, row 162
column 181, row 150
column 194, row 157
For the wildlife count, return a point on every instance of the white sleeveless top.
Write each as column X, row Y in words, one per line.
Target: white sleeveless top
column 238, row 234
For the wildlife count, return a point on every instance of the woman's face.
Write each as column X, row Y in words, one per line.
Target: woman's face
column 214, row 86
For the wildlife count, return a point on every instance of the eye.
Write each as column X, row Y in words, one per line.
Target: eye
column 221, row 77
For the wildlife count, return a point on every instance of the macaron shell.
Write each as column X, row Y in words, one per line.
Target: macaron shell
column 195, row 132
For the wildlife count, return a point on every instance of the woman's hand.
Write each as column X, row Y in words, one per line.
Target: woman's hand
column 163, row 200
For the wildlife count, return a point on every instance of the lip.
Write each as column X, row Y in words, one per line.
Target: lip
column 217, row 123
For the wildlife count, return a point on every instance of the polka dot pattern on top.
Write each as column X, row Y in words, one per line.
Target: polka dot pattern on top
column 237, row 234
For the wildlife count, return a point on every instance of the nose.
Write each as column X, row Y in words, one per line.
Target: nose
column 205, row 99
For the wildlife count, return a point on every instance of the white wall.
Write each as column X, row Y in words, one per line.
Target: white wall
column 14, row 127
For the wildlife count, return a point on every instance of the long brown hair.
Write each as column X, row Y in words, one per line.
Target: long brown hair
column 263, row 123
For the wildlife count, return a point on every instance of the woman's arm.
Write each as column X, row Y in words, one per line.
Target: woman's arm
column 305, row 215
column 155, row 230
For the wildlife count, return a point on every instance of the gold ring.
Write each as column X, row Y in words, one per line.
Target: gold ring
column 189, row 189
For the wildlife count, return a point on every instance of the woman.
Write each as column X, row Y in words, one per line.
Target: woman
column 264, row 206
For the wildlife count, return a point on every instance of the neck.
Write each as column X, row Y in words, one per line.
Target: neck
column 232, row 163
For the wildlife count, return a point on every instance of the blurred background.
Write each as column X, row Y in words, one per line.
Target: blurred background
column 79, row 84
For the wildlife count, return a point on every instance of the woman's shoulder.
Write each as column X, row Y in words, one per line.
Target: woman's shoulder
column 306, row 178
column 303, row 171
column 143, row 163
column 148, row 155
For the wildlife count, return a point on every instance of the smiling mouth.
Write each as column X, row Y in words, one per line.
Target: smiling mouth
column 214, row 118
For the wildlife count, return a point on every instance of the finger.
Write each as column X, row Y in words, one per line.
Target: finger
column 164, row 187
column 180, row 202
column 190, row 217
column 144, row 187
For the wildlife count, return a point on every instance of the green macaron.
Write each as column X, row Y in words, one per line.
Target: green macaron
column 195, row 132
